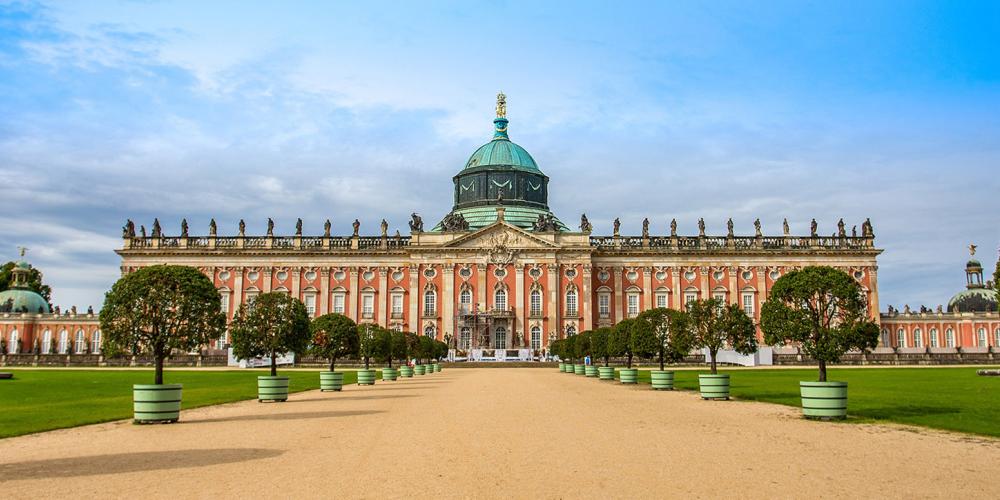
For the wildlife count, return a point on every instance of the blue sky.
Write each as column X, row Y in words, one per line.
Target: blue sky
column 142, row 109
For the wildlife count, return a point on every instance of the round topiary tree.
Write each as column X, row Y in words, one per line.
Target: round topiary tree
column 157, row 310
column 273, row 324
column 825, row 312
column 662, row 333
column 599, row 344
column 334, row 336
column 714, row 325
column 368, row 345
column 620, row 341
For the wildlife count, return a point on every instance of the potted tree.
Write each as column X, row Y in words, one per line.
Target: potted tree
column 714, row 325
column 599, row 350
column 427, row 353
column 569, row 349
column 368, row 348
column 555, row 349
column 440, row 351
column 620, row 344
column 275, row 323
column 157, row 310
column 825, row 312
column 412, row 345
column 583, row 351
column 393, row 347
column 333, row 336
column 662, row 333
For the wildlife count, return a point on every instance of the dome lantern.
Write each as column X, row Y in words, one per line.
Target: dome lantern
column 20, row 297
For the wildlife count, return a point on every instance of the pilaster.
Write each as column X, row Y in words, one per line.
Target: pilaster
column 447, row 300
column 617, row 305
column 383, row 297
column 353, row 296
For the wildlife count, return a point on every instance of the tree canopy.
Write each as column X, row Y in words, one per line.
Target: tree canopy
column 368, row 345
column 715, row 325
column 599, row 344
column 158, row 309
column 663, row 333
column 822, row 309
column 273, row 324
column 333, row 336
column 620, row 340
column 582, row 345
column 35, row 282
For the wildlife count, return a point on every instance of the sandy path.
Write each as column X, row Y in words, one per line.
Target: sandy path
column 513, row 433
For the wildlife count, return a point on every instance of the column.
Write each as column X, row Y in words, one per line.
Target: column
column 296, row 281
column 734, row 292
column 353, row 296
column 616, row 302
column 553, row 291
column 675, row 279
column 414, row 297
column 324, row 291
column 647, row 288
column 238, row 289
column 519, row 319
column 481, row 285
column 706, row 293
column 585, row 299
column 383, row 296
column 448, row 300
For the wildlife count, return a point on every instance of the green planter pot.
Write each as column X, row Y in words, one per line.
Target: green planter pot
column 331, row 381
column 605, row 373
column 579, row 369
column 714, row 386
column 826, row 400
column 366, row 377
column 272, row 389
column 569, row 367
column 590, row 371
column 629, row 375
column 437, row 367
column 662, row 380
column 420, row 369
column 406, row 371
column 389, row 374
column 562, row 367
column 156, row 403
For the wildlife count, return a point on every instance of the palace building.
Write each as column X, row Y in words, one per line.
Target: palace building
column 498, row 273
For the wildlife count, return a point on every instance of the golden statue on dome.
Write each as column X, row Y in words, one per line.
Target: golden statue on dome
column 501, row 105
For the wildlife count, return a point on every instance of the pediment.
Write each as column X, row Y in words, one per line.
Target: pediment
column 501, row 236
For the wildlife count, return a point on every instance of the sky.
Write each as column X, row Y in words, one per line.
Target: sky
column 344, row 110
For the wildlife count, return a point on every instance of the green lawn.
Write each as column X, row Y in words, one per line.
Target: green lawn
column 954, row 399
column 42, row 400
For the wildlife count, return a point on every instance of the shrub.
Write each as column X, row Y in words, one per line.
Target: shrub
column 581, row 345
column 368, row 344
column 620, row 341
column 273, row 324
column 333, row 336
column 714, row 325
column 599, row 344
column 663, row 333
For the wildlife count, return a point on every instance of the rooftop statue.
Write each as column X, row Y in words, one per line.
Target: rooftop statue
column 184, row 228
column 385, row 228
column 756, row 227
column 854, row 231
column 673, row 227
column 212, row 228
column 813, row 227
column 326, row 228
column 454, row 222
column 416, row 223
column 840, row 228
column 585, row 224
column 645, row 227
column 729, row 227
column 270, row 226
column 156, row 229
column 298, row 227
column 545, row 223
column 866, row 229
column 142, row 230
column 618, row 225
column 129, row 230
column 701, row 226
column 357, row 226
column 243, row 228
column 784, row 226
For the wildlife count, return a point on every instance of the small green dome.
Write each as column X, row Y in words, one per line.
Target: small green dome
column 21, row 300
column 974, row 300
column 501, row 152
column 21, row 264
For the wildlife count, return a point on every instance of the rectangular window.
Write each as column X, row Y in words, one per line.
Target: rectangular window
column 338, row 303
column 536, row 338
column 748, row 304
column 633, row 305
column 571, row 304
column 224, row 300
column 934, row 337
column 949, row 338
column 918, row 339
column 604, row 305
column 661, row 300
column 536, row 303
column 429, row 303
column 367, row 305
column 397, row 306
column 310, row 304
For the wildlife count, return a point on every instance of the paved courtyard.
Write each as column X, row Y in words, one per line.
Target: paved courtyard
column 513, row 433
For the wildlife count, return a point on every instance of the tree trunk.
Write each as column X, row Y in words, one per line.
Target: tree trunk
column 332, row 361
column 390, row 362
column 822, row 371
column 274, row 365
column 366, row 362
column 711, row 354
column 661, row 360
column 607, row 360
column 159, row 369
column 628, row 361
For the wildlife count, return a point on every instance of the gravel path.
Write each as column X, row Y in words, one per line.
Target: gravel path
column 513, row 433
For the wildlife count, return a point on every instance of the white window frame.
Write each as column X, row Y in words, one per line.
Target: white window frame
column 46, row 341
column 63, row 346
column 749, row 306
column 918, row 338
column 604, row 304
column 949, row 337
column 396, row 300
column 536, row 337
column 310, row 303
column 465, row 338
column 500, row 299
column 430, row 302
column 79, row 342
column 571, row 304
column 95, row 342
column 662, row 300
column 632, row 304
column 981, row 337
column 689, row 298
column 933, row 334
column 996, row 337
column 901, row 338
column 465, row 301
column 535, row 302
column 368, row 305
column 339, row 302
column 12, row 342
column 500, row 333
column 224, row 302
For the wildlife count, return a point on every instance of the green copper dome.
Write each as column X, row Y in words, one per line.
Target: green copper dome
column 501, row 152
column 974, row 300
column 22, row 300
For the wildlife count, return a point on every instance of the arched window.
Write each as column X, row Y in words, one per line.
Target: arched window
column 95, row 342
column 12, row 343
column 571, row 303
column 536, row 338
column 535, row 302
column 81, row 343
column 996, row 338
column 47, row 341
column 430, row 302
column 933, row 334
column 465, row 301
column 918, row 340
column 901, row 338
column 570, row 331
column 885, row 337
column 981, row 333
column 500, row 339
column 430, row 331
column 500, row 300
column 63, row 341
column 465, row 338
column 949, row 338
